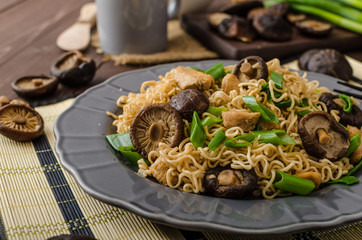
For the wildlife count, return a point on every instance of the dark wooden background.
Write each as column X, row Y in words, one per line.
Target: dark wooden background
column 28, row 32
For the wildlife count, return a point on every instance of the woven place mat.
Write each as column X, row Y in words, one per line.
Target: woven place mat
column 39, row 199
column 181, row 46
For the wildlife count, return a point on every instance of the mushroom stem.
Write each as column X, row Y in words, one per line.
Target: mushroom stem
column 246, row 68
column 323, row 137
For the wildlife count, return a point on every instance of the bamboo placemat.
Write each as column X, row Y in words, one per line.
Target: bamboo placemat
column 39, row 199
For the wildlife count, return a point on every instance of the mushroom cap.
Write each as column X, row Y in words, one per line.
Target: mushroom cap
column 257, row 69
column 304, row 58
column 35, row 86
column 155, row 123
column 225, row 182
column 272, row 27
column 338, row 143
column 236, row 27
column 354, row 118
column 20, row 122
column 314, row 28
column 73, row 69
column 327, row 61
column 280, row 9
column 188, row 101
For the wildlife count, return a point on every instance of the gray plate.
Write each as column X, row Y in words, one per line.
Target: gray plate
column 84, row 152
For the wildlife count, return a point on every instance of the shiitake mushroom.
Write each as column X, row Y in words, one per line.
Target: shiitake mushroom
column 35, row 86
column 188, row 101
column 251, row 67
column 73, row 69
column 226, row 182
column 20, row 122
column 314, row 28
column 322, row 136
column 155, row 123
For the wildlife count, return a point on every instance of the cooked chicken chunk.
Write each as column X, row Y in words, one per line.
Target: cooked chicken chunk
column 245, row 120
column 230, row 82
column 190, row 78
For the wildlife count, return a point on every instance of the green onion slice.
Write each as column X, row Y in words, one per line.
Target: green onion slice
column 277, row 79
column 254, row 106
column 355, row 142
column 240, row 141
column 217, row 71
column 208, row 121
column 197, row 132
column 275, row 137
column 348, row 103
column 293, row 183
column 216, row 111
column 217, row 140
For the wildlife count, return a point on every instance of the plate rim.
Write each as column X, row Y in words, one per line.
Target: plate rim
column 171, row 220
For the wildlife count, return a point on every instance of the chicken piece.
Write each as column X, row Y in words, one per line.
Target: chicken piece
column 159, row 171
column 230, row 82
column 313, row 176
column 190, row 78
column 356, row 156
column 245, row 120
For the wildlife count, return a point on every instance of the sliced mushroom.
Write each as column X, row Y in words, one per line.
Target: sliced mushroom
column 225, row 182
column 323, row 136
column 35, row 86
column 215, row 18
column 20, row 122
column 327, row 61
column 295, row 17
column 281, row 9
column 73, row 69
column 356, row 156
column 314, row 28
column 153, row 124
column 241, row 9
column 272, row 27
column 188, row 101
column 252, row 67
column 354, row 118
column 190, row 78
column 245, row 120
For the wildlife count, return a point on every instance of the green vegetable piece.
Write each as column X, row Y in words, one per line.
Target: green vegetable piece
column 265, row 88
column 348, row 103
column 355, row 142
column 216, row 111
column 217, row 72
column 208, row 121
column 265, row 113
column 133, row 157
column 217, row 139
column 293, row 184
column 283, row 104
column 120, row 140
column 277, row 79
column 303, row 113
column 353, row 170
column 348, row 180
column 240, row 141
column 197, row 132
column 275, row 137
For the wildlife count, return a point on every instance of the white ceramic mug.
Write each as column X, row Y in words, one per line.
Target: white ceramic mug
column 134, row 26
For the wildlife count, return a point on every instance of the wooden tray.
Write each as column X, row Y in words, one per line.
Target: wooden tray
column 197, row 26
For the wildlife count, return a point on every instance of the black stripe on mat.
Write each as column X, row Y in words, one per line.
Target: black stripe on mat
column 305, row 236
column 2, row 230
column 191, row 235
column 67, row 203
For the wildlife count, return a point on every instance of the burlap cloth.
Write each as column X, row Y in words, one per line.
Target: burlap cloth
column 181, row 46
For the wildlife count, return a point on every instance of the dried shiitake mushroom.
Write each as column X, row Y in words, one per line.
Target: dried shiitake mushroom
column 323, row 136
column 35, row 86
column 272, row 27
column 155, row 123
column 20, row 122
column 73, row 69
column 4, row 100
column 314, row 28
column 251, row 67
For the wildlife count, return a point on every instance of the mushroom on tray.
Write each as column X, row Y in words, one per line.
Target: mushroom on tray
column 252, row 67
column 20, row 122
column 323, row 136
column 230, row 183
column 155, row 123
column 35, row 86
column 188, row 101
column 333, row 102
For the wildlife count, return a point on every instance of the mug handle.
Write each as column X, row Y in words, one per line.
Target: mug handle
column 173, row 8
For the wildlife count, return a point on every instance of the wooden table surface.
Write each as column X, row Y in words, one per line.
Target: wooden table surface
column 28, row 33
